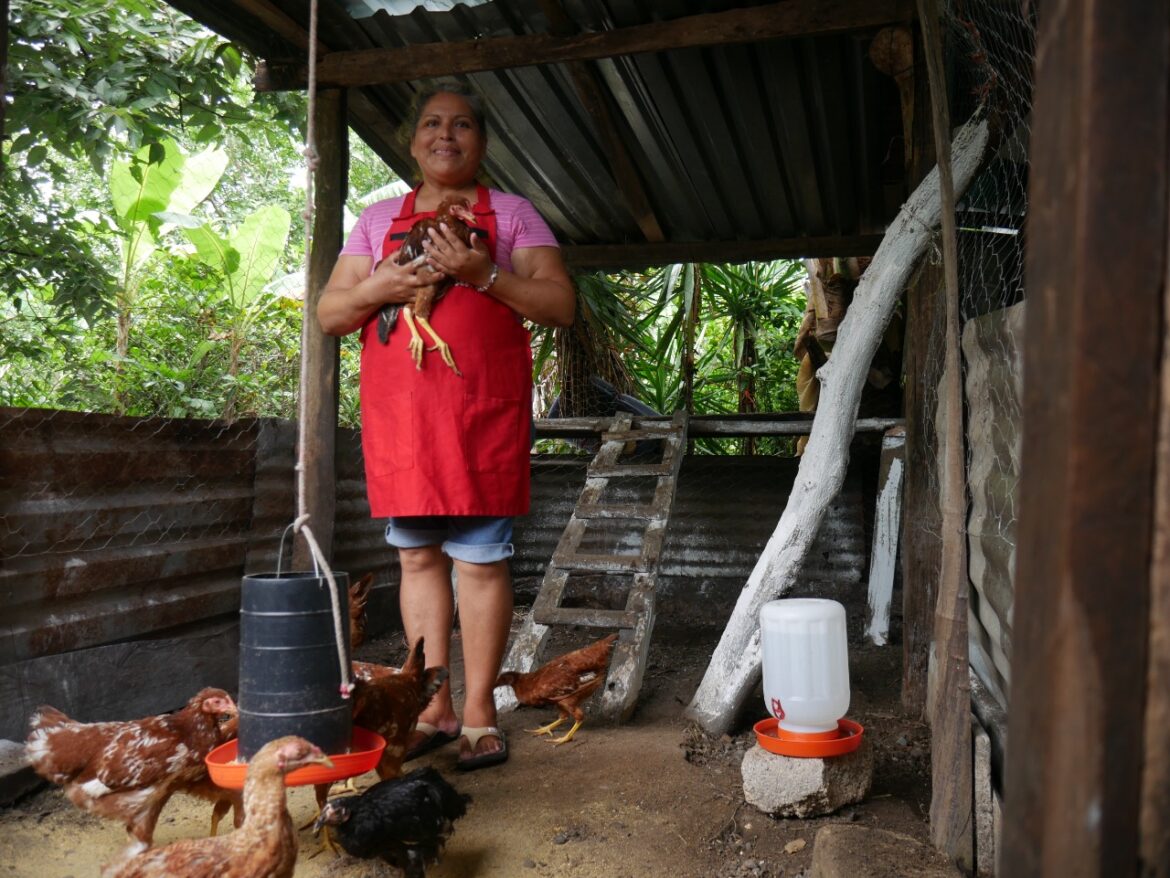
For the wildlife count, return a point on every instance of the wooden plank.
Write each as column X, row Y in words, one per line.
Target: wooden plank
column 628, row 664
column 552, row 590
column 599, row 563
column 951, row 812
column 320, row 353
column 586, row 617
column 616, row 511
column 886, row 528
column 1155, row 794
column 628, row 470
column 612, row 257
column 1081, row 618
column 382, row 66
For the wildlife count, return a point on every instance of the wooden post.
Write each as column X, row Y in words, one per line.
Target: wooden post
column 1093, row 487
column 921, row 547
column 319, row 396
column 951, row 802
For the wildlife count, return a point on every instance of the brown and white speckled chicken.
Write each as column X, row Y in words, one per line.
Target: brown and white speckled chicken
column 265, row 846
column 128, row 770
column 457, row 215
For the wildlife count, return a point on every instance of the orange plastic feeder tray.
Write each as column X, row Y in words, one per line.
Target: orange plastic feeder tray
column 774, row 739
column 365, row 750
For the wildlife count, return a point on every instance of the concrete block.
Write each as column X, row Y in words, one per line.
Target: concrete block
column 16, row 776
column 785, row 786
column 843, row 850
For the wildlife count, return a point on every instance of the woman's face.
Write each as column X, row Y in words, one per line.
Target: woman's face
column 447, row 143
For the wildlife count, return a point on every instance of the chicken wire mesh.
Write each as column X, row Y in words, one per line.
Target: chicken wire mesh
column 991, row 47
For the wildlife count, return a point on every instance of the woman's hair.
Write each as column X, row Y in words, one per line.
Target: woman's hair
column 441, row 86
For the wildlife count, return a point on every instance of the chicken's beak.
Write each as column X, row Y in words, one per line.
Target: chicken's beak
column 320, row 821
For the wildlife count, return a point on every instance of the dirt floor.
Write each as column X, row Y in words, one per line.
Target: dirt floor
column 654, row 797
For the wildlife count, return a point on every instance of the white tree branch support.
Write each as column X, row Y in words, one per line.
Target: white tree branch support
column 735, row 665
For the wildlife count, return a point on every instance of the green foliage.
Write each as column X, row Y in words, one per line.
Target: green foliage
column 92, row 81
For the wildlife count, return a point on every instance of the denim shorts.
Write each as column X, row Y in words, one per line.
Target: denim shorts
column 477, row 539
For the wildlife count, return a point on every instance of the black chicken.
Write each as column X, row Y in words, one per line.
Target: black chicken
column 457, row 215
column 404, row 820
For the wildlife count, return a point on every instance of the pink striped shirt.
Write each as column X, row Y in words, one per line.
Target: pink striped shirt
column 518, row 225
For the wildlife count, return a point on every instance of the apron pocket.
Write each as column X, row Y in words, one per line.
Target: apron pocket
column 495, row 433
column 388, row 435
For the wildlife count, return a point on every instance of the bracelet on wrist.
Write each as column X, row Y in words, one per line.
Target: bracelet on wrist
column 492, row 278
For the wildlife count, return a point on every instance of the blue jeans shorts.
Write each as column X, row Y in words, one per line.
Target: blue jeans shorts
column 477, row 539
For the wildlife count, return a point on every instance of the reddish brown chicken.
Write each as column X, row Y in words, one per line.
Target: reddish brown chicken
column 457, row 216
column 265, row 846
column 564, row 683
column 128, row 770
column 359, row 596
column 389, row 703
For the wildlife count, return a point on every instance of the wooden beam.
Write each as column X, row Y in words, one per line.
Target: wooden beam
column 706, row 425
column 592, row 96
column 279, row 22
column 792, row 18
column 1093, row 355
column 590, row 257
column 320, row 390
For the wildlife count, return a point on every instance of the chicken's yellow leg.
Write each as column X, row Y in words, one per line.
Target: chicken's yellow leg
column 547, row 730
column 441, row 346
column 415, row 346
column 567, row 737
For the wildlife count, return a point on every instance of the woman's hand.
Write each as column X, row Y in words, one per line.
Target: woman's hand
column 450, row 256
column 398, row 284
column 353, row 292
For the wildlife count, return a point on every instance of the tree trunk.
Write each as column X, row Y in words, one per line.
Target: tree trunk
column 735, row 665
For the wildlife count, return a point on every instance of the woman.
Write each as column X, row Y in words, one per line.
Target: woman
column 446, row 454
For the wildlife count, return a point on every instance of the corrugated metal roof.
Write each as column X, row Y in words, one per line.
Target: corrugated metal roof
column 786, row 138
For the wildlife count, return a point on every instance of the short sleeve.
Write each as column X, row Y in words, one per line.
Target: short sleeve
column 530, row 229
column 369, row 233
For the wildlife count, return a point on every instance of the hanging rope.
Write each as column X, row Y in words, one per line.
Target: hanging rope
column 300, row 524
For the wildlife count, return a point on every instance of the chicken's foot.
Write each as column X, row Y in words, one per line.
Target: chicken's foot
column 441, row 346
column 415, row 345
column 568, row 736
column 547, row 730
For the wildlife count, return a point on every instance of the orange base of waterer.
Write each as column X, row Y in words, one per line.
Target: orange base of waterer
column 365, row 750
column 845, row 739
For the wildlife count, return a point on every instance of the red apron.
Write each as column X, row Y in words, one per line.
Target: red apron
column 436, row 443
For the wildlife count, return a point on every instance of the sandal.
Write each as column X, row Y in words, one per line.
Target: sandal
column 473, row 734
column 435, row 738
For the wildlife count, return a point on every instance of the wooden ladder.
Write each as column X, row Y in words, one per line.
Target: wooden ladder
column 636, row 621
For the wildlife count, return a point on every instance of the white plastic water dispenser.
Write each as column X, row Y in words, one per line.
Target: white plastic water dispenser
column 806, row 664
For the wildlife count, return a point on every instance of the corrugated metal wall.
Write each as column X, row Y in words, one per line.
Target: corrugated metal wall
column 125, row 540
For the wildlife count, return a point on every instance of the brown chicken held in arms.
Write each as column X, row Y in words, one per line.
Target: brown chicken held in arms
column 128, row 770
column 457, row 216
column 564, row 683
column 264, row 847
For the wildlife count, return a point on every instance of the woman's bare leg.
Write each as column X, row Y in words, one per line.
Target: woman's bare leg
column 427, row 607
column 485, row 618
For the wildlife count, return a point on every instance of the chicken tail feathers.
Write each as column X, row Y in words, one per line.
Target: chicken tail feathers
column 387, row 318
